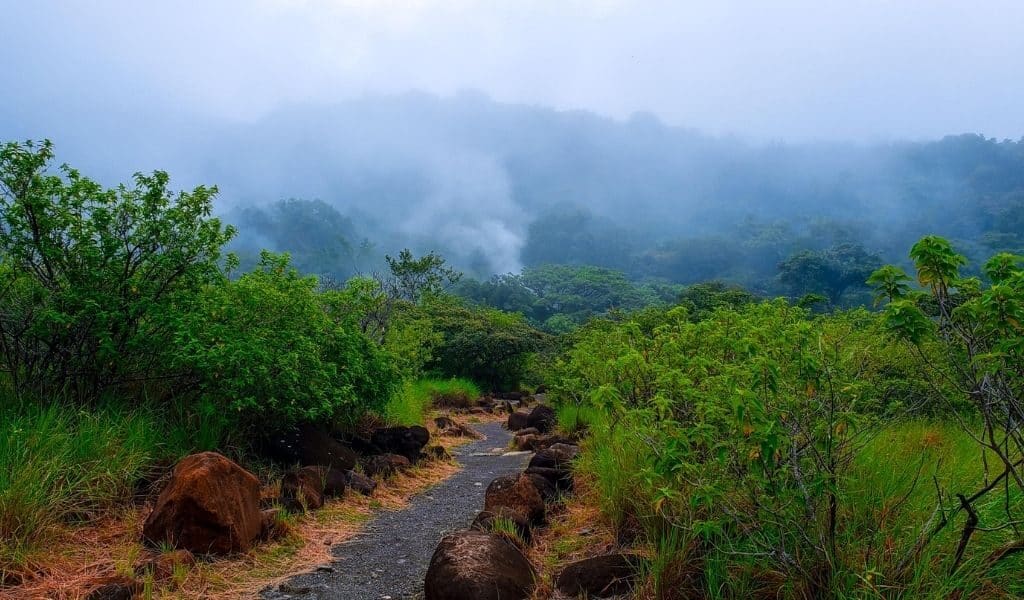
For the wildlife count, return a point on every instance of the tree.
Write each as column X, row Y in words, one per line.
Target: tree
column 970, row 343
column 92, row 280
column 831, row 272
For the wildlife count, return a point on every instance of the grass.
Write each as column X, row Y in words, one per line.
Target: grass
column 411, row 404
column 886, row 497
column 60, row 465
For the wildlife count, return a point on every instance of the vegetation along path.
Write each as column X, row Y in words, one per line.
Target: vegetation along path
column 389, row 558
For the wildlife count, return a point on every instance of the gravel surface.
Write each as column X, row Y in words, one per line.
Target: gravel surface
column 389, row 557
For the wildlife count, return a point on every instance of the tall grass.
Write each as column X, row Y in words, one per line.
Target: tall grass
column 410, row 405
column 886, row 497
column 60, row 464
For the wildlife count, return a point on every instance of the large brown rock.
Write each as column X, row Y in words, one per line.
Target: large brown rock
column 518, row 420
column 543, row 418
column 486, row 521
column 600, row 576
column 474, row 565
column 518, row 494
column 210, row 506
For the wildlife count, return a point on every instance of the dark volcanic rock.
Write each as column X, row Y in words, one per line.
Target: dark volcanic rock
column 383, row 465
column 543, row 418
column 332, row 481
column 405, row 441
column 210, row 505
column 309, row 445
column 301, row 490
column 518, row 420
column 473, row 565
column 545, row 487
column 484, row 521
column 600, row 576
column 517, row 494
column 361, row 484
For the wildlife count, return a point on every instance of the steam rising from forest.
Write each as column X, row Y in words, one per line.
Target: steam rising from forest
column 494, row 186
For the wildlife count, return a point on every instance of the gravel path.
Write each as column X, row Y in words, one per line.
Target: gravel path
column 389, row 557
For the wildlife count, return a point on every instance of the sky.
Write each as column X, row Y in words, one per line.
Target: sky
column 790, row 70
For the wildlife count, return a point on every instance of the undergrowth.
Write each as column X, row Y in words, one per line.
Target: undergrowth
column 410, row 405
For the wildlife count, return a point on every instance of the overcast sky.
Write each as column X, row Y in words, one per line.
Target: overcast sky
column 779, row 69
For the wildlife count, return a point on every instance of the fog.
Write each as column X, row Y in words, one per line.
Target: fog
column 459, row 126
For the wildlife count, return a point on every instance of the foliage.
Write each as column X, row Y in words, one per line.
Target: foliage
column 739, row 430
column 831, row 272
column 91, row 279
column 558, row 298
column 416, row 398
column 60, row 464
column 267, row 346
column 977, row 331
column 489, row 346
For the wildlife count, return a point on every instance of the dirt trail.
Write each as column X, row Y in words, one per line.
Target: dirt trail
column 389, row 557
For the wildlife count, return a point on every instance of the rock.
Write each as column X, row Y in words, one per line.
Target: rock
column 438, row 453
column 301, row 490
column 449, row 428
column 518, row 420
column 528, row 431
column 543, row 418
column 271, row 527
column 541, row 389
column 474, row 565
column 558, row 456
column 484, row 521
column 561, row 479
column 443, row 423
column 310, row 445
column 361, row 484
column 526, row 442
column 518, row 494
column 162, row 567
column 114, row 588
column 210, row 505
column 332, row 481
column 405, row 441
column 545, row 487
column 600, row 576
column 478, row 410
column 384, row 465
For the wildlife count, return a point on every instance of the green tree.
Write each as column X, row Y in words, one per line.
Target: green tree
column 92, row 279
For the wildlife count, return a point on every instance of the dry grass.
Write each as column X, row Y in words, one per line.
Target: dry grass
column 108, row 548
column 577, row 529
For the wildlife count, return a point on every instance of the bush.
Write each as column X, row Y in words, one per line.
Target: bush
column 488, row 346
column 265, row 348
column 91, row 279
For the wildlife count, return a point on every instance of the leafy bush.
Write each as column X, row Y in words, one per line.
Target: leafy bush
column 92, row 279
column 488, row 346
column 266, row 347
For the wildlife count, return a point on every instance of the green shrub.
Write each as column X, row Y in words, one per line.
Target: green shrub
column 92, row 279
column 265, row 348
column 488, row 346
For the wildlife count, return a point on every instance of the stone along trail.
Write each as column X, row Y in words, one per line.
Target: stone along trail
column 389, row 557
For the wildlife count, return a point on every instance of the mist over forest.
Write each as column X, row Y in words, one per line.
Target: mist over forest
column 496, row 187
